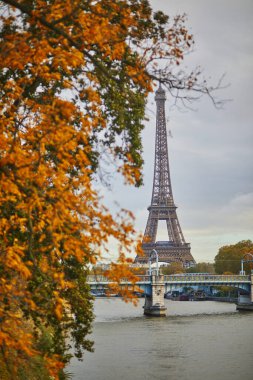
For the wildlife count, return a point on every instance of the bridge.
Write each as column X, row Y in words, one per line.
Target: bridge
column 156, row 285
column 177, row 281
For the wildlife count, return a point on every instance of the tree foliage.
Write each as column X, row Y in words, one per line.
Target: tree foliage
column 201, row 268
column 173, row 268
column 74, row 80
column 229, row 257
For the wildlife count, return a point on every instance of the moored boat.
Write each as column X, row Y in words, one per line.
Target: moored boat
column 199, row 295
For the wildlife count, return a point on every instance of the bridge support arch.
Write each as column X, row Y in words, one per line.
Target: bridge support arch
column 154, row 303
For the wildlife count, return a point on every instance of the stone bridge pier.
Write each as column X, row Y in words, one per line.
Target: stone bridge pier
column 251, row 288
column 154, row 303
column 246, row 303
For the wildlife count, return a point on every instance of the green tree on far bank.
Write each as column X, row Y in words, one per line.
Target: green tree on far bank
column 177, row 268
column 173, row 268
column 229, row 257
column 201, row 268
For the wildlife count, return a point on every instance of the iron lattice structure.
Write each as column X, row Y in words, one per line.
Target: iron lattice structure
column 162, row 204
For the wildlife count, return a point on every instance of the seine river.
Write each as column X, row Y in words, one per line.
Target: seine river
column 196, row 341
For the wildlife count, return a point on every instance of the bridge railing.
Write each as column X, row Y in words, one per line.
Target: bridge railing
column 182, row 278
column 102, row 279
column 206, row 278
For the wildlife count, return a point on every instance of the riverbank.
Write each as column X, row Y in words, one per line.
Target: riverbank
column 223, row 299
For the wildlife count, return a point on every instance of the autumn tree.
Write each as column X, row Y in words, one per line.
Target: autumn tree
column 229, row 257
column 74, row 80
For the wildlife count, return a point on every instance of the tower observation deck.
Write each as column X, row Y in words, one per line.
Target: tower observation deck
column 162, row 207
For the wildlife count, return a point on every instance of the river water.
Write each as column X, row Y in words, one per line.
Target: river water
column 203, row 340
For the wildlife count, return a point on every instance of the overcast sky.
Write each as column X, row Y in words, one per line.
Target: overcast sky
column 211, row 152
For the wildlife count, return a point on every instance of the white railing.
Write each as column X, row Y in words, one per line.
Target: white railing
column 182, row 278
column 102, row 279
column 207, row 278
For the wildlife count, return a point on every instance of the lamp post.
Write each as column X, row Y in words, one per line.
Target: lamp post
column 248, row 260
column 242, row 272
column 150, row 260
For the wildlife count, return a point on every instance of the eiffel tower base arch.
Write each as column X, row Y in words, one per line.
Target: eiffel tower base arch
column 168, row 253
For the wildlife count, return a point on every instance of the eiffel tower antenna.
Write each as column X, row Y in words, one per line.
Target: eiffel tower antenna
column 162, row 207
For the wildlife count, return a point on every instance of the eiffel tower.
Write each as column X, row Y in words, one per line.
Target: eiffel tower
column 162, row 204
